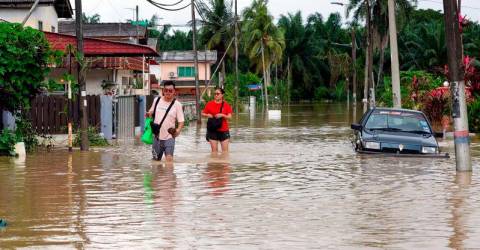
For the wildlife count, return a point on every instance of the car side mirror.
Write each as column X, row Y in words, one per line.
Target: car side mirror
column 438, row 134
column 356, row 126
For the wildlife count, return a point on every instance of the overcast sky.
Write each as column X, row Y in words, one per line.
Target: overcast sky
column 120, row 10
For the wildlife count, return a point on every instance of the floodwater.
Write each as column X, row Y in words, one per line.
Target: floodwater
column 290, row 182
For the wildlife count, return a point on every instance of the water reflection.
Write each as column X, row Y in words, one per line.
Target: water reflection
column 460, row 210
column 217, row 174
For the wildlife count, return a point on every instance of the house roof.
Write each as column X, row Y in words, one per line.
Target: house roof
column 120, row 30
column 187, row 56
column 98, row 47
column 62, row 7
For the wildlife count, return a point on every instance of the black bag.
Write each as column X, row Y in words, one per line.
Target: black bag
column 156, row 127
column 213, row 124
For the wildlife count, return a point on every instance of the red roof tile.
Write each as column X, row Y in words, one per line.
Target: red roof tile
column 99, row 47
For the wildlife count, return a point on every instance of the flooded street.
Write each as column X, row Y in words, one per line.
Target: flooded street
column 289, row 183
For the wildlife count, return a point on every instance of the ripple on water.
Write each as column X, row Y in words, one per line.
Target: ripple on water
column 290, row 183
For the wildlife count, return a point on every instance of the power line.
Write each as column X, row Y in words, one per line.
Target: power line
column 169, row 5
column 463, row 6
column 160, row 6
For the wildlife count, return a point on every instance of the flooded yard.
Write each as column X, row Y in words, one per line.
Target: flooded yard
column 289, row 183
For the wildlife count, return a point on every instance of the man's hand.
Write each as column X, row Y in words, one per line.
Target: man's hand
column 219, row 115
column 148, row 114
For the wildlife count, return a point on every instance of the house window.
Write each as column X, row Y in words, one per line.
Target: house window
column 53, row 29
column 186, row 71
column 40, row 25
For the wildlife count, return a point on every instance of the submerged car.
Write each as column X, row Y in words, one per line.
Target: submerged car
column 399, row 131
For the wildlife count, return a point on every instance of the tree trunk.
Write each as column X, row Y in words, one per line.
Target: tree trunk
column 383, row 45
column 222, row 76
column 370, row 52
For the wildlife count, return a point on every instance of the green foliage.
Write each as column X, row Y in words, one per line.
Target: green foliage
column 24, row 58
column 426, row 82
column 7, row 142
column 474, row 115
column 53, row 85
column 94, row 138
column 95, row 18
column 260, row 34
column 322, row 93
column 26, row 133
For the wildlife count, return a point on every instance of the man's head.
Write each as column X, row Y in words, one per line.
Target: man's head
column 168, row 89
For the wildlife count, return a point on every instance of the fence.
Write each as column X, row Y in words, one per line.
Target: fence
column 118, row 116
column 49, row 113
column 125, row 117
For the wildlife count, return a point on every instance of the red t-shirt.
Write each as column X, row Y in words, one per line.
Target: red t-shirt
column 213, row 108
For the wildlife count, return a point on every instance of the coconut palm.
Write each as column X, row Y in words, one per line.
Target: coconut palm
column 263, row 42
column 217, row 28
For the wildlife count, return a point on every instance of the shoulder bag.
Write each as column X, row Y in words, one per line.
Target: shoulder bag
column 156, row 127
column 213, row 124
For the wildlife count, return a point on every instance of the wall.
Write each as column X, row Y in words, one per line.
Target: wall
column 167, row 67
column 93, row 81
column 46, row 14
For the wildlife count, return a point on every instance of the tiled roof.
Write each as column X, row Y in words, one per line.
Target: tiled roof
column 63, row 7
column 103, row 29
column 99, row 47
column 187, row 56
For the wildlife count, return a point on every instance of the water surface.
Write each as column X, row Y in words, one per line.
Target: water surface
column 288, row 183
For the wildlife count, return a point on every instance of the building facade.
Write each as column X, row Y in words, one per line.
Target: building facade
column 44, row 17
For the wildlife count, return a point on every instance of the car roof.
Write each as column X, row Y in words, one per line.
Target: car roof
column 397, row 109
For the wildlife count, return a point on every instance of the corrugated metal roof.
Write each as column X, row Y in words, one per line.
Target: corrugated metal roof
column 103, row 29
column 62, row 7
column 179, row 56
column 99, row 47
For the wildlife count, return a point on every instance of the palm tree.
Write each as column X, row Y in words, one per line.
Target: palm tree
column 263, row 41
column 217, row 28
column 375, row 13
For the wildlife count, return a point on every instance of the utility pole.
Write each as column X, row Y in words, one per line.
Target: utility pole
column 392, row 24
column 195, row 59
column 264, row 77
column 354, row 73
column 136, row 24
column 236, row 58
column 289, row 80
column 34, row 6
column 81, row 76
column 457, row 86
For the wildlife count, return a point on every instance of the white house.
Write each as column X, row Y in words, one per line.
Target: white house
column 44, row 17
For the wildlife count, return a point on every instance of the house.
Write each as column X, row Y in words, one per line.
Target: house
column 44, row 17
column 120, row 32
column 178, row 66
column 112, row 67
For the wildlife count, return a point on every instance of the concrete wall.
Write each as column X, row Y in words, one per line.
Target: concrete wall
column 167, row 67
column 46, row 14
column 96, row 76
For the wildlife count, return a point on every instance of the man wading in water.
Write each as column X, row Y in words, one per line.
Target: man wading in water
column 167, row 110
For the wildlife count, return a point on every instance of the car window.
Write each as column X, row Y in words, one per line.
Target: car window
column 405, row 121
column 376, row 121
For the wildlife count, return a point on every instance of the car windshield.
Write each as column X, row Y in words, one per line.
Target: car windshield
column 398, row 121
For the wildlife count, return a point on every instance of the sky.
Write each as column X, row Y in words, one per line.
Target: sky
column 120, row 10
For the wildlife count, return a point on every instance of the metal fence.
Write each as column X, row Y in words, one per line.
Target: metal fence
column 125, row 117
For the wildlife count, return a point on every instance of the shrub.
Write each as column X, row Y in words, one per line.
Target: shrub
column 321, row 93
column 24, row 59
column 94, row 138
column 7, row 142
column 26, row 133
column 474, row 115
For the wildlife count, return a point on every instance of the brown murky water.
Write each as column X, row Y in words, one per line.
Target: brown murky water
column 288, row 183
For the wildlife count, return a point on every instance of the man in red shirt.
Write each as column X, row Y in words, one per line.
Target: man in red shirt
column 218, row 109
